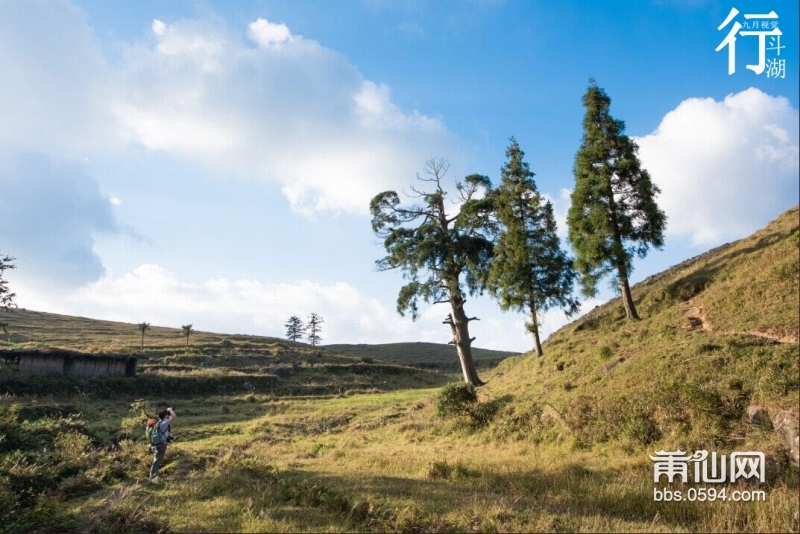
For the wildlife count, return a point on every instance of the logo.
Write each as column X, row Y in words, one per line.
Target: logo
column 711, row 469
column 765, row 28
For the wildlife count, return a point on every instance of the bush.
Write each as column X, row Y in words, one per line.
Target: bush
column 460, row 400
column 456, row 400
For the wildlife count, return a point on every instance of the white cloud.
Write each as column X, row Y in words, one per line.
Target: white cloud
column 270, row 105
column 159, row 28
column 54, row 86
column 246, row 306
column 266, row 33
column 724, row 168
column 154, row 294
column 288, row 111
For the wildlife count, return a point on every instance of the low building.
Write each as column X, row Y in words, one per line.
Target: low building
column 70, row 363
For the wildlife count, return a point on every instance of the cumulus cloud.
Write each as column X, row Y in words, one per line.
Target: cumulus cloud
column 248, row 306
column 257, row 102
column 157, row 295
column 266, row 33
column 286, row 110
column 50, row 213
column 725, row 168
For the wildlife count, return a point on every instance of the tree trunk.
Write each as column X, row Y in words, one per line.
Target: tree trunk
column 535, row 328
column 627, row 298
column 621, row 260
column 459, row 324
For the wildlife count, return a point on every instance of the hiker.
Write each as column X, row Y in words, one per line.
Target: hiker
column 158, row 434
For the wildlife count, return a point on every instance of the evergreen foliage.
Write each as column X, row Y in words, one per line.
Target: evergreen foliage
column 614, row 214
column 294, row 328
column 314, row 327
column 6, row 296
column 530, row 272
column 439, row 253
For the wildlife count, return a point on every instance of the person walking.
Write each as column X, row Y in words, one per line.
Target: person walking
column 159, row 435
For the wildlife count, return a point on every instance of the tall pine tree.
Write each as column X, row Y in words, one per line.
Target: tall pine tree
column 530, row 272
column 613, row 215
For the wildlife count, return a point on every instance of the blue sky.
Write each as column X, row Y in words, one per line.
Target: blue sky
column 212, row 162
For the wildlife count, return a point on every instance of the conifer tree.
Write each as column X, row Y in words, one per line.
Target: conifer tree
column 614, row 214
column 530, row 272
column 314, row 328
column 6, row 296
column 441, row 254
column 294, row 328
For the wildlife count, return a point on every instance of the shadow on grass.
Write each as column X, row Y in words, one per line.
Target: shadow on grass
column 573, row 491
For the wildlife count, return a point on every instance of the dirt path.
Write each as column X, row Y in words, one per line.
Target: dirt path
column 698, row 321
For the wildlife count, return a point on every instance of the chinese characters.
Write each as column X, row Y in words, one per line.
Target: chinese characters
column 763, row 26
column 742, row 465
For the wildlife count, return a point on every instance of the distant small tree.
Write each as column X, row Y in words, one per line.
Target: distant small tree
column 294, row 328
column 143, row 327
column 186, row 330
column 314, row 328
column 6, row 296
column 4, row 326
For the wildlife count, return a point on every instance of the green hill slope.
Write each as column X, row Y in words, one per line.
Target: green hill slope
column 719, row 334
column 216, row 363
column 426, row 355
column 562, row 443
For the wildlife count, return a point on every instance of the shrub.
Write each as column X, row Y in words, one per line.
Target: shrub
column 456, row 399
column 461, row 400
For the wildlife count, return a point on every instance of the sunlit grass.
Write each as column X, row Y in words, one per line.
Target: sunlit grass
column 342, row 445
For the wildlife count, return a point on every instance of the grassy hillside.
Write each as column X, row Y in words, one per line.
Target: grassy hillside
column 719, row 333
column 561, row 443
column 426, row 355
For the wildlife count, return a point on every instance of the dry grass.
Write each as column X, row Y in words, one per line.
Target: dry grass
column 567, row 448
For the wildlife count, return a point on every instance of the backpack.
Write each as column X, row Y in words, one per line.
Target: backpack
column 153, row 432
